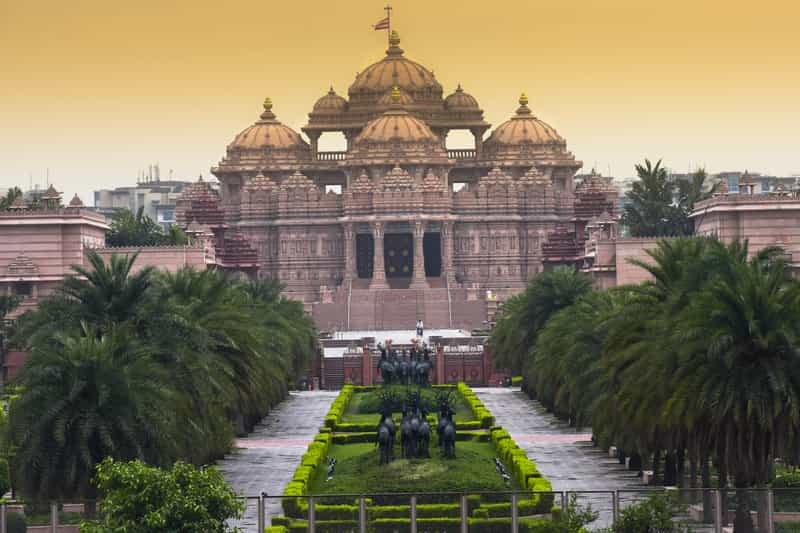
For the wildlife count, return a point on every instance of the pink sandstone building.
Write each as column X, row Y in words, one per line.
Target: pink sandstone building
column 396, row 227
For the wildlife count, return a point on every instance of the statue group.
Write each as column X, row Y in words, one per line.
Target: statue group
column 415, row 429
column 412, row 367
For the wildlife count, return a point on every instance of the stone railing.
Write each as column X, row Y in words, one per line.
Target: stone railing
column 465, row 153
column 331, row 156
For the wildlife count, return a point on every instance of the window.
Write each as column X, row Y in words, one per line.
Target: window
column 22, row 289
column 459, row 185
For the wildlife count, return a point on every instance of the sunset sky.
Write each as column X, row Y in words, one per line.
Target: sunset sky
column 95, row 90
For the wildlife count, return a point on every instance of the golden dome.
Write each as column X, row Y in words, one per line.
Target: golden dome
column 524, row 128
column 460, row 100
column 268, row 133
column 395, row 69
column 396, row 125
column 331, row 103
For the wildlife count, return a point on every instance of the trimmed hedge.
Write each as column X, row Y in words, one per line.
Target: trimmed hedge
column 276, row 529
column 281, row 521
column 338, row 406
column 362, row 427
column 478, row 409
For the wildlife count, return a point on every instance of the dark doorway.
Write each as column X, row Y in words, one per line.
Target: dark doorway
column 432, row 244
column 398, row 254
column 365, row 250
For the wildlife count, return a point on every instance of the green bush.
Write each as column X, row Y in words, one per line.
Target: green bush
column 137, row 498
column 5, row 477
column 336, row 512
column 15, row 523
column 787, row 500
column 326, row 526
column 350, row 438
column 338, row 406
column 516, row 381
column 275, row 529
column 281, row 521
column 653, row 514
column 425, row 510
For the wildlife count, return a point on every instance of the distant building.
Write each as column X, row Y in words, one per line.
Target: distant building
column 156, row 196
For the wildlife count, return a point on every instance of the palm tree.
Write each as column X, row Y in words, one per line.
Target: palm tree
column 740, row 370
column 527, row 314
column 86, row 398
column 138, row 229
column 649, row 211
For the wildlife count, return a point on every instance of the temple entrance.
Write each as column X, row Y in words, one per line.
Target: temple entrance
column 432, row 245
column 365, row 250
column 398, row 254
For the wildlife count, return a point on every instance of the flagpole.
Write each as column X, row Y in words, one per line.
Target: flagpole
column 388, row 9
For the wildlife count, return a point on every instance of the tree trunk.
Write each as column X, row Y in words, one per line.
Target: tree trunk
column 705, row 475
column 669, row 469
column 680, row 458
column 656, row 465
column 742, row 523
column 722, row 484
column 635, row 463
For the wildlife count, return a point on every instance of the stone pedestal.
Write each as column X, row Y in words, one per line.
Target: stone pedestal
column 378, row 268
column 418, row 279
column 366, row 367
column 441, row 377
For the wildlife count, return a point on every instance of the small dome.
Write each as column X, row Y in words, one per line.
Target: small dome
column 460, row 101
column 330, row 104
column 268, row 133
column 395, row 69
column 524, row 128
column 396, row 97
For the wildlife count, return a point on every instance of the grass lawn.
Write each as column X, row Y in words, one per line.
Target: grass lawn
column 358, row 471
column 357, row 413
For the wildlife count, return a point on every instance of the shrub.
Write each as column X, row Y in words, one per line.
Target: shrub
column 275, row 529
column 281, row 521
column 5, row 477
column 15, row 523
column 652, row 515
column 137, row 498
column 350, row 438
column 516, row 381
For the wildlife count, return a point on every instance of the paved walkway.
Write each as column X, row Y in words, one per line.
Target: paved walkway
column 265, row 460
column 563, row 454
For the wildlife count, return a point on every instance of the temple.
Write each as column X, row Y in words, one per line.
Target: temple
column 397, row 221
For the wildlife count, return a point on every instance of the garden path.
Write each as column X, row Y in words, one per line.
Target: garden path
column 563, row 454
column 265, row 460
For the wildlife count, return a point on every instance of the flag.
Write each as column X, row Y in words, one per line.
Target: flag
column 382, row 24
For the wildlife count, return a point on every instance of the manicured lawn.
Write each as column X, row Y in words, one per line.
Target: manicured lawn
column 361, row 407
column 358, row 471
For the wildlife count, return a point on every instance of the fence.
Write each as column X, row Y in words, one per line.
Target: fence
column 705, row 511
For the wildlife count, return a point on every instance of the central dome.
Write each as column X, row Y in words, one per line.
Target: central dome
column 396, row 125
column 395, row 69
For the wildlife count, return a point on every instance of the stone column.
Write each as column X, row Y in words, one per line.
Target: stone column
column 478, row 134
column 448, row 271
column 378, row 268
column 349, row 252
column 418, row 279
column 314, row 136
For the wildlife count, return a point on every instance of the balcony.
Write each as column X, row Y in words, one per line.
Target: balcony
column 462, row 154
column 331, row 156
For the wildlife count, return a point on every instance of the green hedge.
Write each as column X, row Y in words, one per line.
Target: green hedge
column 338, row 406
column 480, row 412
column 281, row 521
column 351, row 438
column 516, row 381
column 275, row 529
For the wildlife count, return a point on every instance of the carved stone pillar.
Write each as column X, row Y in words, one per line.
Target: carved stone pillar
column 478, row 134
column 349, row 252
column 448, row 271
column 418, row 280
column 378, row 268
column 314, row 136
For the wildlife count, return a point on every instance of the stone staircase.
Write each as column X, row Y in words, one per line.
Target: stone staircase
column 400, row 308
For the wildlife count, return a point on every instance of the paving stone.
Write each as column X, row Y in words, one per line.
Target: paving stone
column 265, row 460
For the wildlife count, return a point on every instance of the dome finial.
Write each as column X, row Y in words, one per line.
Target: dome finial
column 268, row 114
column 459, row 89
column 395, row 95
column 394, row 38
column 523, row 105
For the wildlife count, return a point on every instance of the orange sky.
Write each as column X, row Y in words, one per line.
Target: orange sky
column 96, row 90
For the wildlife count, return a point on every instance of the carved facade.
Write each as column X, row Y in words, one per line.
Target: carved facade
column 384, row 213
